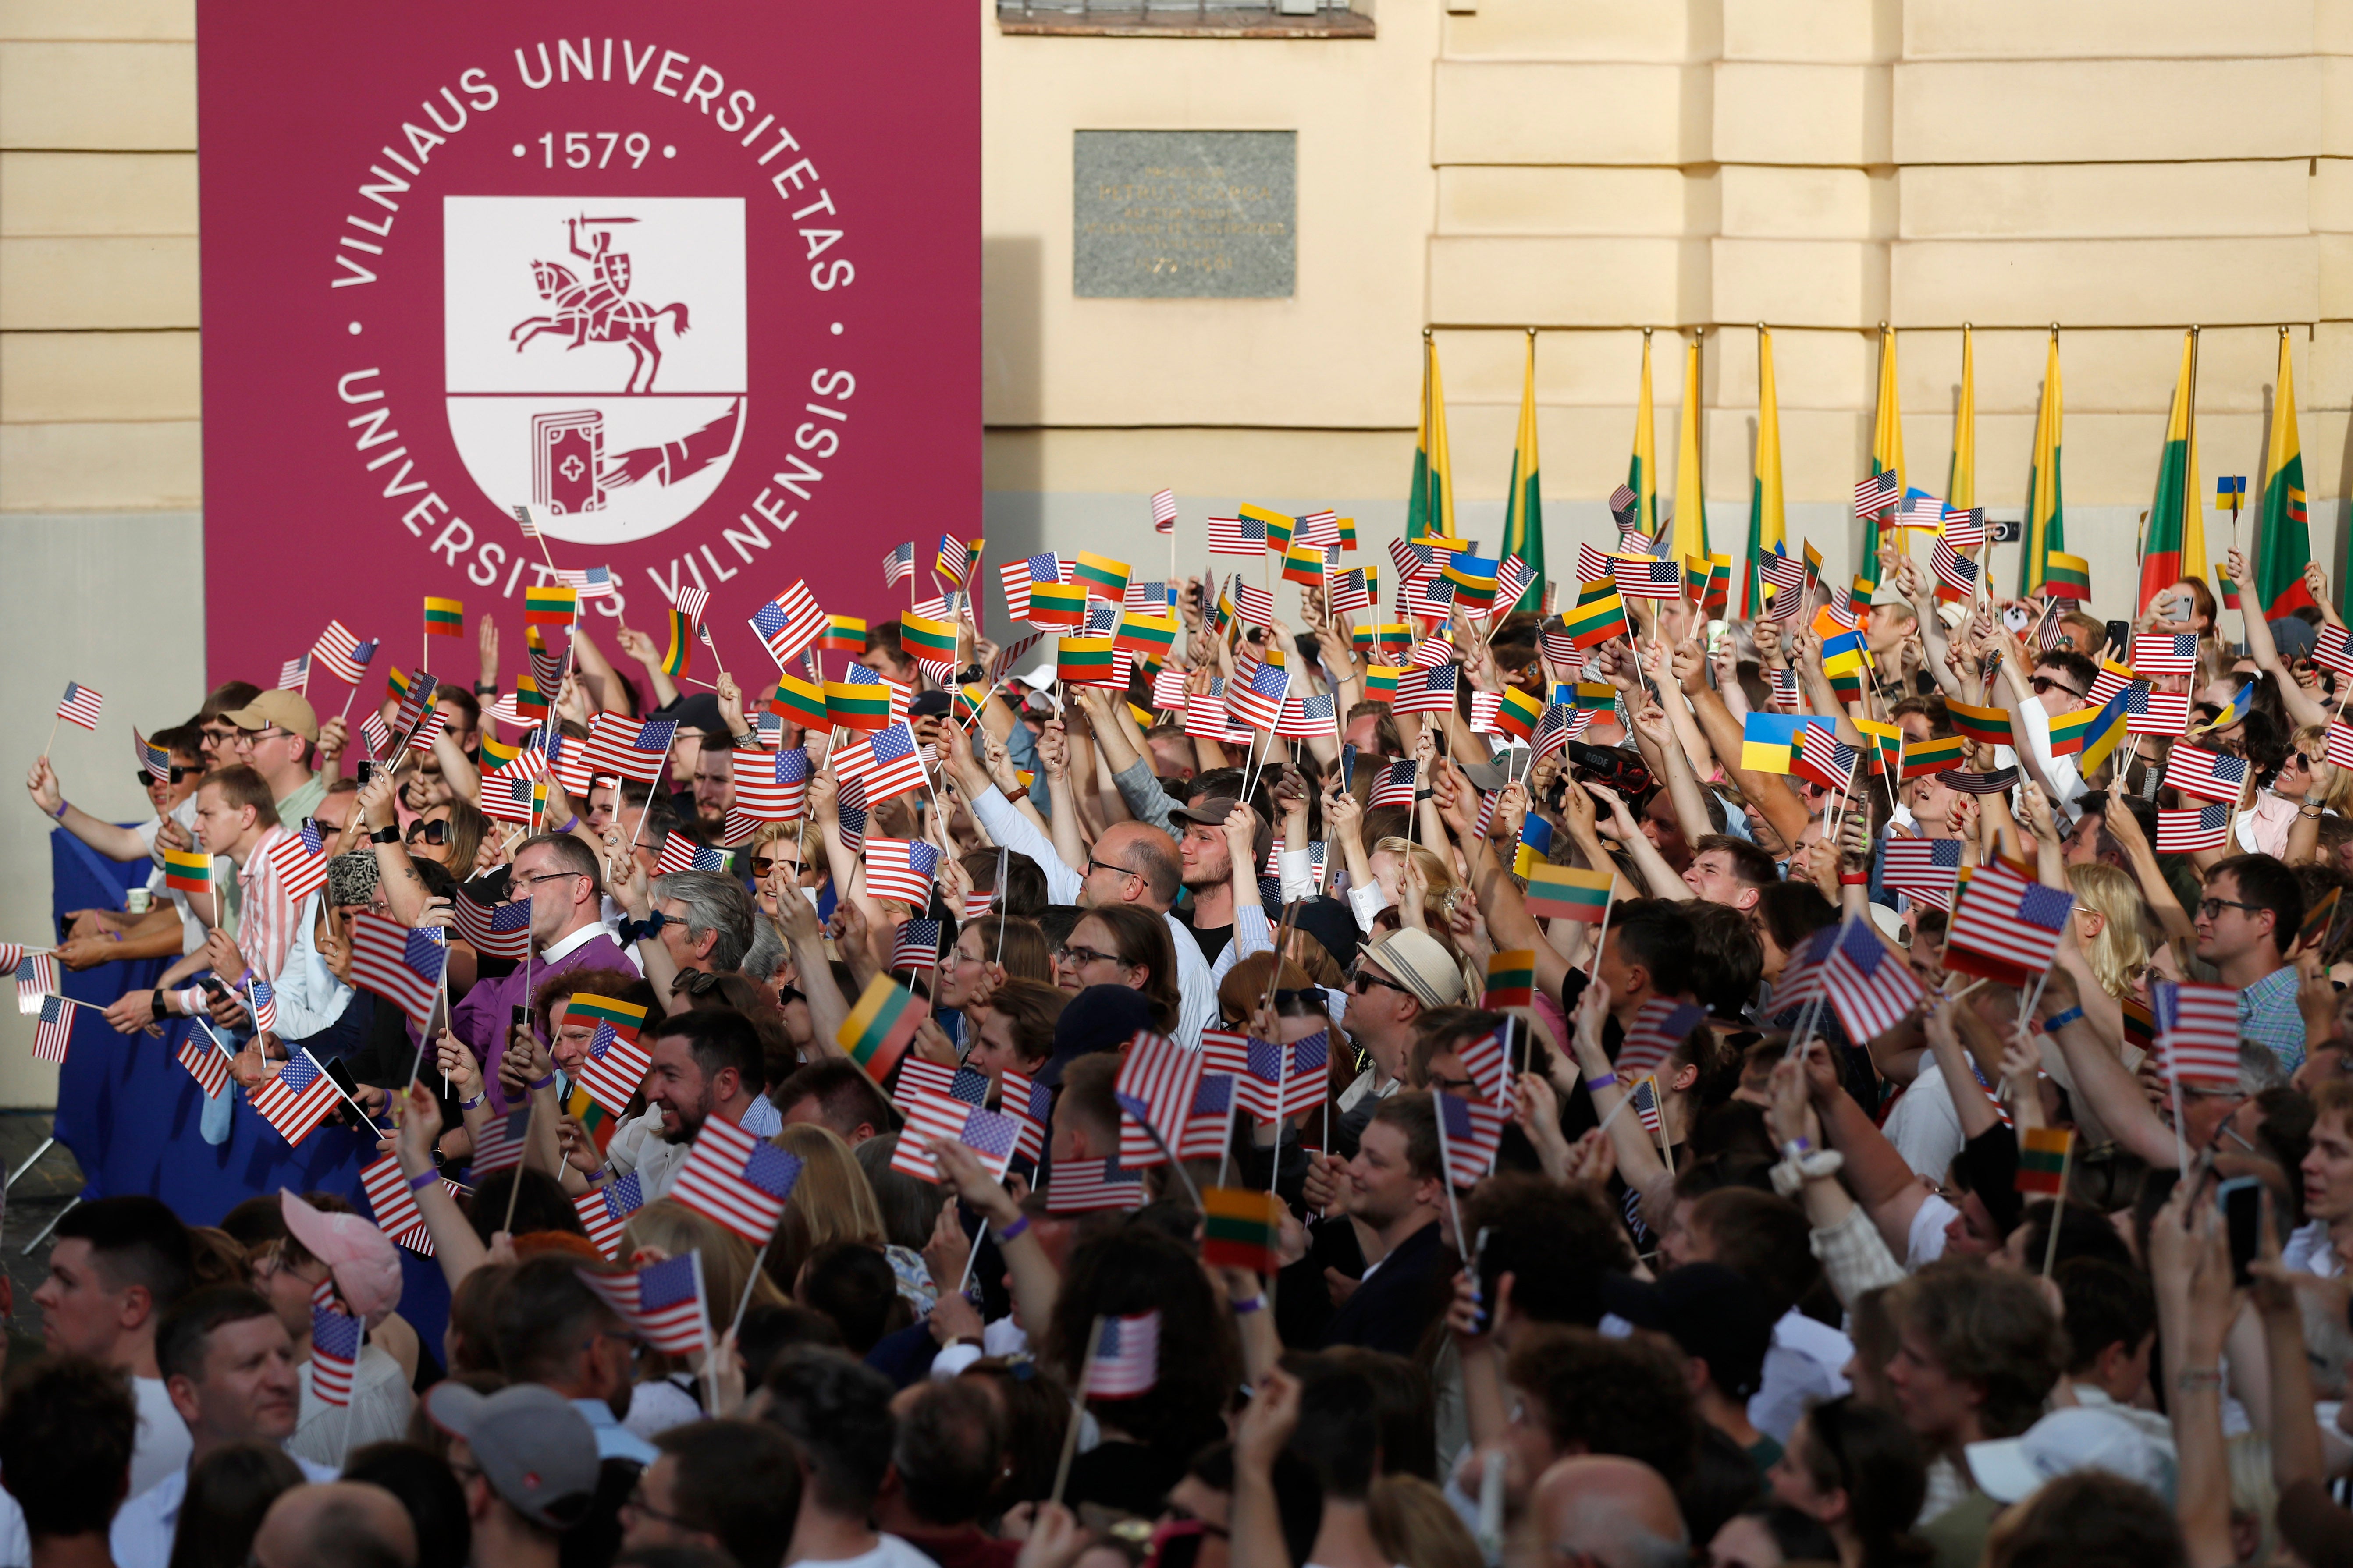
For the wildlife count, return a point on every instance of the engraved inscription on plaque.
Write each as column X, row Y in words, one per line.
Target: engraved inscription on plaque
column 1185, row 215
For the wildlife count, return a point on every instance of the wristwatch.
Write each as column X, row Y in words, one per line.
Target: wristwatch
column 486, row 689
column 388, row 835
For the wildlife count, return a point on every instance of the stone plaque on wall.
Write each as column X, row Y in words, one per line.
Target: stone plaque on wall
column 1185, row 215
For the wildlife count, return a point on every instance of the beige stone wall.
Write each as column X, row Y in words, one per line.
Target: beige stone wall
column 1587, row 168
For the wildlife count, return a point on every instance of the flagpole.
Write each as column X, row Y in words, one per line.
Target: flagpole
column 1446, row 1175
column 515, row 1190
column 751, row 1282
column 2058, row 1199
column 1666, row 1150
column 1078, row 1410
column 53, row 736
column 1593, row 966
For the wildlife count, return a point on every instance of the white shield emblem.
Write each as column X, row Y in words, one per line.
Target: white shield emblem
column 594, row 355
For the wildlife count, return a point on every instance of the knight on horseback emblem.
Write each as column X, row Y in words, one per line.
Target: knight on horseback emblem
column 599, row 309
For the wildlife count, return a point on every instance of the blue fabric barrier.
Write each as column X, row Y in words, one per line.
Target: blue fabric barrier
column 128, row 1110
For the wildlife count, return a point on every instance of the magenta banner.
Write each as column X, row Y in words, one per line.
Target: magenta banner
column 697, row 285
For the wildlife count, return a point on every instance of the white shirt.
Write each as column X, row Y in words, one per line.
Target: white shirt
column 163, row 1443
column 144, row 1526
column 1001, row 1338
column 2308, row 1249
column 191, row 930
column 637, row 1145
column 1801, row 1368
column 657, row 1406
column 310, row 998
column 1924, row 1125
column 1926, row 1244
column 890, row 1551
column 378, row 1413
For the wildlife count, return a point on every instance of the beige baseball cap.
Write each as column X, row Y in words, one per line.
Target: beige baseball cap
column 1414, row 960
column 284, row 709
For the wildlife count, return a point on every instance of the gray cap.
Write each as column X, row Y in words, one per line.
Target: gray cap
column 537, row 1452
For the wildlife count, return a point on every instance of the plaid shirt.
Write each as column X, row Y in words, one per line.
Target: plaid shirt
column 2268, row 1014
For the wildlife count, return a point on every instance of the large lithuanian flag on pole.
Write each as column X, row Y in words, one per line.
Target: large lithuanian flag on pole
column 1642, row 471
column 2175, row 546
column 1765, row 527
column 1523, row 510
column 1430, row 511
column 2283, row 530
column 1961, row 488
column 2045, row 516
column 1886, row 446
column 1691, row 505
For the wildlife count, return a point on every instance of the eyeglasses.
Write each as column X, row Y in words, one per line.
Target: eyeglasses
column 2043, row 683
column 144, row 778
column 1080, row 957
column 1360, row 978
column 435, row 832
column 1094, row 865
column 217, row 737
column 635, row 1503
column 543, row 877
column 2212, row 908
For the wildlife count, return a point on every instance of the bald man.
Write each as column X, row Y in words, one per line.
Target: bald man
column 1603, row 1510
column 337, row 1524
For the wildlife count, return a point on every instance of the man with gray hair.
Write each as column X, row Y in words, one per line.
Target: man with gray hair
column 1605, row 1512
column 687, row 921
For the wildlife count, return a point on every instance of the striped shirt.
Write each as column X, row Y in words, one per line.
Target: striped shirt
column 265, row 916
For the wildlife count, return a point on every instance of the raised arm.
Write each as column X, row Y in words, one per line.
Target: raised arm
column 2264, row 649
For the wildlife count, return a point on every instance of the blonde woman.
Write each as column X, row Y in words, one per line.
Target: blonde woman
column 1377, row 903
column 2106, row 951
column 667, row 1392
column 832, row 1201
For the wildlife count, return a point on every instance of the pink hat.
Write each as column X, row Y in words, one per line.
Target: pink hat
column 366, row 1266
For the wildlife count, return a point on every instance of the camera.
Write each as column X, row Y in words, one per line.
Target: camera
column 1608, row 766
column 2005, row 530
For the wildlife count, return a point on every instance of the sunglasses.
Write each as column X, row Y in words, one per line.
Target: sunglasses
column 2043, row 683
column 763, row 864
column 426, row 833
column 146, row 778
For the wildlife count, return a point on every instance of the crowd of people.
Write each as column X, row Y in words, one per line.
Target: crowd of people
column 1824, row 1296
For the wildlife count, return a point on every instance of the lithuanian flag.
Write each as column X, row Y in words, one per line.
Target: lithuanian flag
column 842, row 634
column 680, row 655
column 531, row 702
column 1149, row 637
column 1942, row 754
column 1103, row 577
column 2282, row 533
column 1387, row 636
column 1982, row 726
column 2165, row 556
column 189, row 872
column 444, row 617
column 1595, row 696
column 1303, row 564
column 1886, row 438
column 876, row 1033
column 801, row 702
column 1058, row 604
column 496, row 753
column 2043, row 1155
column 1087, row 661
column 554, row 606
column 1594, row 622
column 1961, row 488
column 1429, row 510
column 1691, row 504
column 2066, row 576
column 1887, row 742
column 2140, row 1023
column 854, row 707
column 1517, row 714
column 1524, row 505
column 1279, row 525
column 627, row 1018
column 1473, row 577
column 1381, row 682
column 2046, row 515
column 1564, row 892
column 1767, row 530
column 923, row 638
column 395, row 684
column 2069, row 731
column 1511, row 979
column 1240, row 1229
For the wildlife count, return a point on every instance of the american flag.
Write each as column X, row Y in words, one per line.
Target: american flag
column 851, row 809
column 500, row 1146
column 301, row 859
column 917, row 1076
column 343, row 656
column 55, row 1031
column 2332, row 651
column 1646, row 1108
column 1828, row 761
column 1433, row 693
column 915, row 946
column 614, row 1069
column 1647, row 579
column 1396, row 786
column 416, row 704
column 507, row 795
column 952, row 558
column 2005, row 927
column 1257, row 701
column 2210, row 775
column 546, row 669
column 261, row 1002
column 936, row 1117
column 1169, row 689
column 736, row 1179
column 2049, row 630
column 1019, row 576
column 1429, row 597
column 789, row 623
column 1431, row 651
column 2186, row 832
column 2197, row 1033
column 633, row 748
column 1489, row 1068
column 295, row 672
column 1087, row 1187
column 206, row 1062
column 1146, row 599
column 37, row 976
column 524, row 521
column 1304, row 719
column 2165, row 653
column 2340, row 744
column 898, row 565
column 1468, row 1133
column 80, row 706
column 588, row 582
column 1556, row 726
column 1957, row 576
column 1963, row 527
column 1155, row 1083
column 1163, row 512
column 1352, row 593
column 1208, row 1127
column 898, row 763
column 1875, row 495
column 401, row 965
column 1513, row 578
column 1621, row 501
column 499, row 930
column 2153, row 712
column 1592, row 565
column 1319, row 528
column 1659, row 1027
column 394, row 1205
column 689, row 603
column 1870, row 988
column 1922, row 509
column 1236, row 536
column 334, row 1354
column 1784, row 571
column 1926, row 869
column 1127, row 1357
column 901, row 869
column 603, row 1210
column 376, row 734
column 662, row 1303
column 2113, row 678
column 1226, row 1050
column 1031, row 1105
column 1279, row 1081
column 1205, row 712
column 1255, row 606
column 297, row 1097
column 680, row 853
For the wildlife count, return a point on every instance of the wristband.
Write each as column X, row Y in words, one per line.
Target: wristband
column 2058, row 1021
column 2192, row 1378
column 1855, row 878
column 1009, row 1232
column 61, row 812
column 486, row 689
column 547, row 1082
column 192, row 1000
column 479, row 1096
column 422, row 1180
column 1245, row 1307
column 570, row 825
column 1796, row 1149
column 1600, row 1082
